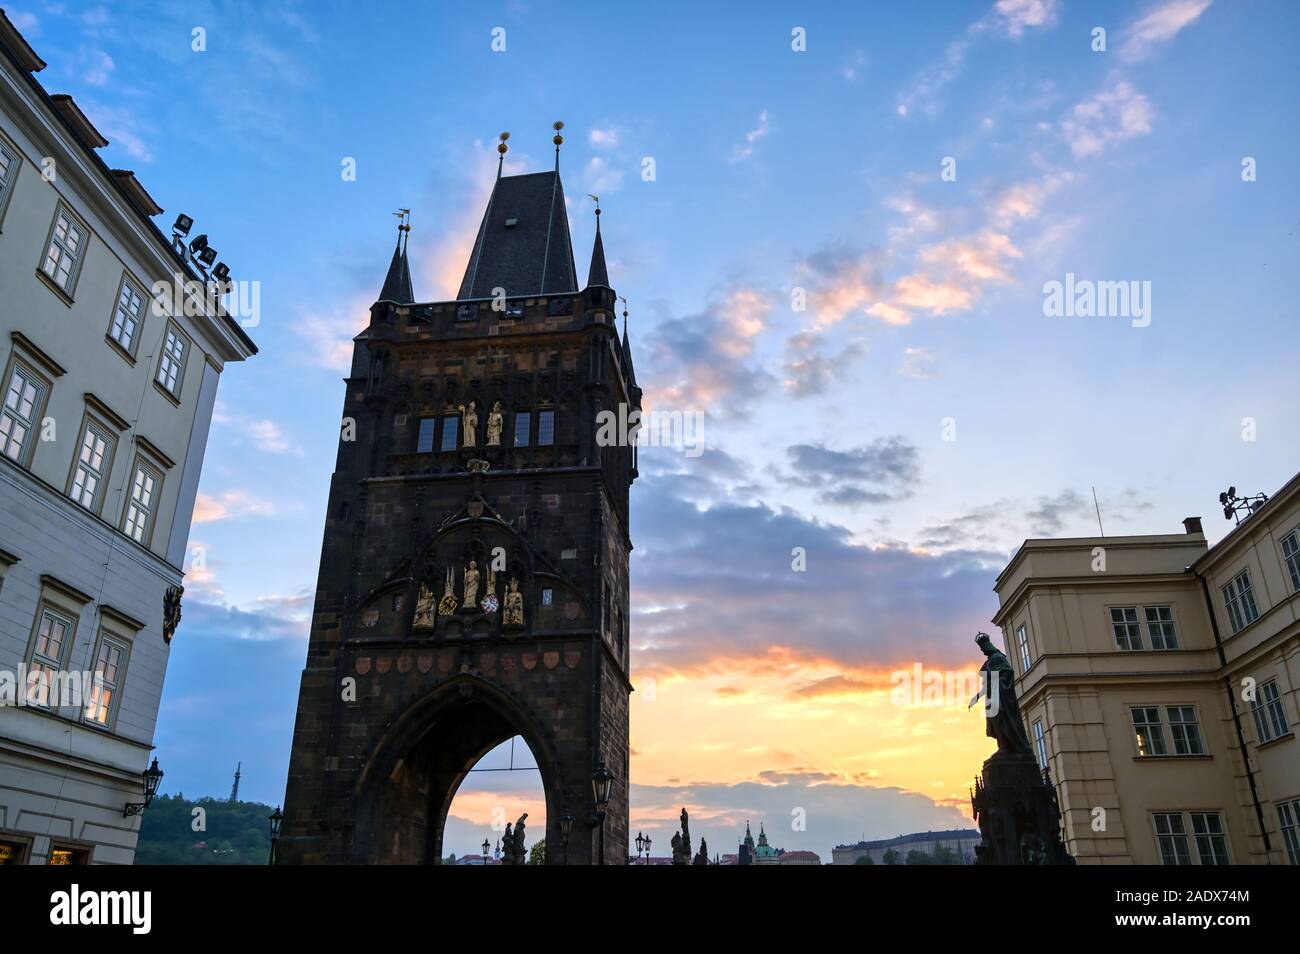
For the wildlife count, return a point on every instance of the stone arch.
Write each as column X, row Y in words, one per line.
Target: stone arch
column 401, row 798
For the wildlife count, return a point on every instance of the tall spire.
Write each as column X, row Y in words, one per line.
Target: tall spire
column 597, row 275
column 502, row 149
column 558, row 140
column 397, row 284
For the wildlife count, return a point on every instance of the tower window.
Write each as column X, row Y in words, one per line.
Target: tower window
column 424, row 443
column 545, row 428
column 450, row 431
column 523, row 425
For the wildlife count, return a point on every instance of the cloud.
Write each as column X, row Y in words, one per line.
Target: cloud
column 328, row 333
column 744, row 150
column 601, row 176
column 718, row 581
column 1158, row 26
column 120, row 127
column 603, row 138
column 98, row 67
column 705, row 361
column 917, row 363
column 854, row 65
column 1007, row 18
column 887, row 469
column 1015, row 17
column 268, row 436
column 1115, row 114
column 1001, row 525
column 229, row 504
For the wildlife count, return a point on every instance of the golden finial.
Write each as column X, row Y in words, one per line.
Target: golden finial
column 501, row 146
column 558, row 140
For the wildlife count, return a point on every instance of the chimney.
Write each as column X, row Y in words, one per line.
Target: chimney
column 1192, row 525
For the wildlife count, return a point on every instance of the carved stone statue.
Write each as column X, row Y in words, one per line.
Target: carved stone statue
column 513, row 851
column 471, row 586
column 172, row 611
column 513, row 614
column 682, row 842
column 469, row 426
column 425, row 607
column 702, row 857
column 1002, row 709
column 495, row 422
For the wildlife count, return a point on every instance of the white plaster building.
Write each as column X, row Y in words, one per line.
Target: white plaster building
column 105, row 404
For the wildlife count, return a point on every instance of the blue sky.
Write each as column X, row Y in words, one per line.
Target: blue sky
column 776, row 171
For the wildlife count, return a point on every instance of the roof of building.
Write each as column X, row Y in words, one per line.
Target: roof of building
column 20, row 53
column 948, row 835
column 523, row 243
column 397, row 283
column 598, row 274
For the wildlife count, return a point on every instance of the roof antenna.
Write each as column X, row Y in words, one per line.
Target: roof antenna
column 1097, row 506
column 403, row 225
column 558, row 140
column 502, row 149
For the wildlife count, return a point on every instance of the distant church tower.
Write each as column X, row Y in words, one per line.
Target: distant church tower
column 234, row 789
column 473, row 579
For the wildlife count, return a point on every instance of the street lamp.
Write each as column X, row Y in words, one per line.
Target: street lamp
column 487, row 848
column 153, row 776
column 275, row 818
column 601, row 781
column 640, row 845
column 647, row 850
column 566, row 826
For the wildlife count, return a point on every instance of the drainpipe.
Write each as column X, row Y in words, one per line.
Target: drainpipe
column 1236, row 717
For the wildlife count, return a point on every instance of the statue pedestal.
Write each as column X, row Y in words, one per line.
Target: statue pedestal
column 1019, row 819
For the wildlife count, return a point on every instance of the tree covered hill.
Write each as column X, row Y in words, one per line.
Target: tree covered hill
column 180, row 831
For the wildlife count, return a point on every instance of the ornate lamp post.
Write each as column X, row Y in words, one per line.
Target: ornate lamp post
column 640, row 845
column 601, row 781
column 275, row 818
column 566, row 826
column 647, row 850
column 153, row 777
column 487, row 849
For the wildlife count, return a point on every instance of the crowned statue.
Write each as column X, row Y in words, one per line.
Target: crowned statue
column 514, row 605
column 425, row 607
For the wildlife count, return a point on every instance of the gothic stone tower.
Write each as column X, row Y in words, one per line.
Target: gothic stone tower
column 474, row 572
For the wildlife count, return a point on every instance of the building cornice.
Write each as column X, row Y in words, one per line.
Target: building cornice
column 1022, row 589
column 52, row 367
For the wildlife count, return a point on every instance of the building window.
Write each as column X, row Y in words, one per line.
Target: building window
column 1124, row 624
column 1211, row 841
column 13, row 852
column 450, row 431
column 1160, row 627
column 1171, row 837
column 1288, row 817
column 1291, row 553
column 171, row 365
column 1185, row 730
column 545, row 428
column 1239, row 599
column 8, row 174
column 1149, row 731
column 142, row 505
column 126, row 315
column 548, row 596
column 1270, row 717
column 1022, row 641
column 109, row 666
column 424, row 442
column 66, row 247
column 1040, row 743
column 24, row 396
column 523, row 423
column 53, row 634
column 90, row 466
column 68, row 855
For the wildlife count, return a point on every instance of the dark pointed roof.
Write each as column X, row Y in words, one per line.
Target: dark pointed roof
column 397, row 285
column 523, row 243
column 598, row 275
column 627, row 356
